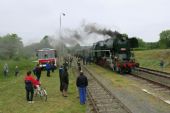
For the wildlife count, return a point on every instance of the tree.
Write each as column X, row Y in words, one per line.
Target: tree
column 141, row 43
column 29, row 51
column 10, row 46
column 152, row 45
column 164, row 41
column 45, row 43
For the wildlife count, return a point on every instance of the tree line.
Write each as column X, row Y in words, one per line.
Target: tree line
column 163, row 43
column 11, row 45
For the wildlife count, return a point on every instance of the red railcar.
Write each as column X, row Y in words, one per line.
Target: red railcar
column 46, row 55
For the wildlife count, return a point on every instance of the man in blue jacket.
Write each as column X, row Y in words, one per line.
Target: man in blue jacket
column 48, row 68
column 82, row 83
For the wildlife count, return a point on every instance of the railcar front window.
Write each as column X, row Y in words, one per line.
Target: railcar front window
column 40, row 55
column 45, row 55
column 51, row 54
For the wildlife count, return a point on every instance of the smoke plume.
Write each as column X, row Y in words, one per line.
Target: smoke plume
column 85, row 35
column 94, row 28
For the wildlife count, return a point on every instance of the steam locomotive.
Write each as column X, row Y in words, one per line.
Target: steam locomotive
column 115, row 53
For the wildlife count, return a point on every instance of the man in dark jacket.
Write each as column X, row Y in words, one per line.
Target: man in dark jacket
column 82, row 83
column 65, row 81
column 61, row 71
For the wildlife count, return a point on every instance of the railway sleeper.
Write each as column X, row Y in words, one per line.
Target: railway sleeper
column 108, row 105
column 93, row 84
column 94, row 87
column 105, row 101
column 112, row 110
column 98, row 91
column 100, row 94
column 160, row 89
column 95, row 96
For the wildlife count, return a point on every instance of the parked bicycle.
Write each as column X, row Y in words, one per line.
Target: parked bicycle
column 41, row 92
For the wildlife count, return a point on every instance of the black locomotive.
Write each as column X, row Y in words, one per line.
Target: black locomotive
column 115, row 53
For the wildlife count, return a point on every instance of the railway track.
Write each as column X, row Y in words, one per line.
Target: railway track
column 156, row 72
column 101, row 99
column 157, row 77
column 153, row 82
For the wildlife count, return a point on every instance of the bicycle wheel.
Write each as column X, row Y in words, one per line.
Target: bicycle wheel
column 43, row 95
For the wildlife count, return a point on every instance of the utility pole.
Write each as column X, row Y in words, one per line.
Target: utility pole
column 61, row 14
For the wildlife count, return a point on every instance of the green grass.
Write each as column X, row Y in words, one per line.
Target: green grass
column 152, row 58
column 22, row 65
column 117, row 79
column 12, row 93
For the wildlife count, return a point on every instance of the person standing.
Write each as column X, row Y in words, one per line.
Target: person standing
column 48, row 68
column 16, row 71
column 82, row 83
column 71, row 60
column 65, row 81
column 61, row 70
column 79, row 65
column 38, row 71
column 161, row 64
column 29, row 81
column 84, row 60
column 52, row 67
column 5, row 70
column 65, row 64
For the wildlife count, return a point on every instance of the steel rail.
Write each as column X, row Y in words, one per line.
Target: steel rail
column 159, row 79
column 156, row 72
column 96, row 109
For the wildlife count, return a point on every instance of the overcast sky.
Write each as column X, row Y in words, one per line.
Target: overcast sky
column 32, row 19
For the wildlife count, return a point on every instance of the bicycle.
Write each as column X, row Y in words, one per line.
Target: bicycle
column 41, row 92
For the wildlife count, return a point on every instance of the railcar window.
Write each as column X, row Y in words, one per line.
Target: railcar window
column 45, row 55
column 51, row 54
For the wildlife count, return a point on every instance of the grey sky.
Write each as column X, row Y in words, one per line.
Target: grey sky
column 32, row 19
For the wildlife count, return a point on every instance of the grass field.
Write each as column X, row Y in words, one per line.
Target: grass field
column 152, row 58
column 12, row 93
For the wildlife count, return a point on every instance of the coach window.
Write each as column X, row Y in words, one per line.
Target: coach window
column 46, row 55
